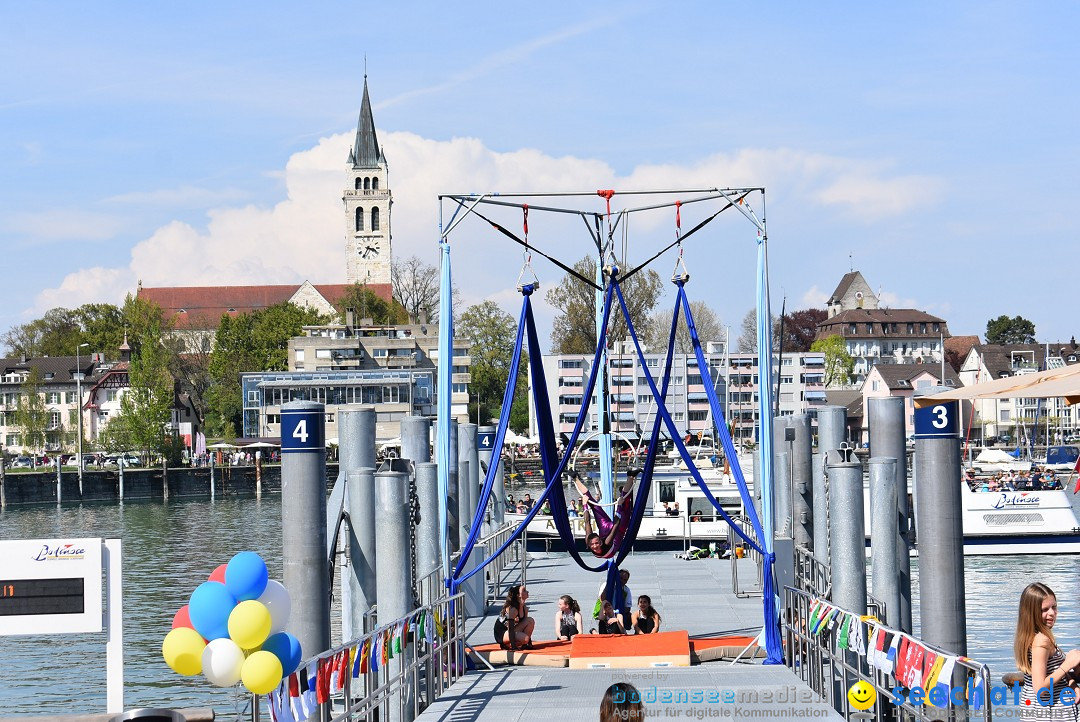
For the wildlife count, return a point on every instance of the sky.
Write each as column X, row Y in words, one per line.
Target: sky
column 931, row 146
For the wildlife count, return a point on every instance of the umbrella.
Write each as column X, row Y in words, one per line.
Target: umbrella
column 1061, row 382
column 222, row 445
column 260, row 445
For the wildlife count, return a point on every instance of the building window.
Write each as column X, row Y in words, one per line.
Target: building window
column 459, row 388
column 374, row 184
column 322, row 353
column 869, row 328
column 786, row 361
column 787, row 379
column 873, row 385
column 374, row 219
column 70, row 397
column 12, row 439
column 378, row 352
column 54, row 397
column 853, row 328
column 359, row 219
column 110, row 395
column 910, row 328
column 922, row 328
column 54, row 419
column 937, row 328
column 652, row 363
column 367, row 184
column 1005, row 415
column 359, row 185
column 697, row 415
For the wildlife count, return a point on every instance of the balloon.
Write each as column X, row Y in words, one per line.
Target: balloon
column 286, row 648
column 261, row 673
column 182, row 650
column 221, row 662
column 276, row 599
column 182, row 619
column 249, row 624
column 209, row 610
column 246, row 576
column 218, row 575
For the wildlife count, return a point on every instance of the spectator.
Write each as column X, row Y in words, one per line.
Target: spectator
column 567, row 618
column 622, row 703
column 609, row 621
column 646, row 620
column 528, row 501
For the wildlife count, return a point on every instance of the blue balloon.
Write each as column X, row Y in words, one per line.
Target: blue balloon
column 209, row 609
column 285, row 647
column 246, row 576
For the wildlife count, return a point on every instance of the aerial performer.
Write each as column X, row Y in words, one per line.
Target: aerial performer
column 609, row 531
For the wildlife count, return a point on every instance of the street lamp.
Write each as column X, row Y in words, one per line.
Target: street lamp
column 78, row 410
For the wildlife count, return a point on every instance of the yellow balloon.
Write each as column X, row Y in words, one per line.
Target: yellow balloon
column 182, row 650
column 249, row 624
column 261, row 673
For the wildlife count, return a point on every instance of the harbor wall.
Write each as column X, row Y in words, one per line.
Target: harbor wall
column 142, row 484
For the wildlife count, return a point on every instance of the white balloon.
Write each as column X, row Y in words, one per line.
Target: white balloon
column 222, row 661
column 276, row 599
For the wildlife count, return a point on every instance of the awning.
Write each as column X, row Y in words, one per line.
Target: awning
column 1053, row 383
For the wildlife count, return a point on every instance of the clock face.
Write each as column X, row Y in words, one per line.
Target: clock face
column 368, row 247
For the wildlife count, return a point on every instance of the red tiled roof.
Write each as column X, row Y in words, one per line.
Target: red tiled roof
column 201, row 307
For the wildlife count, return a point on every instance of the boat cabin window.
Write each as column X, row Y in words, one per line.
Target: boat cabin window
column 666, row 492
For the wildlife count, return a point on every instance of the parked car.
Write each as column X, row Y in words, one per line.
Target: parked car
column 23, row 462
column 129, row 460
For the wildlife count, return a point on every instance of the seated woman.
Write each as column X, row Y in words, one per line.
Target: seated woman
column 609, row 621
column 514, row 627
column 609, row 531
column 567, row 618
column 646, row 619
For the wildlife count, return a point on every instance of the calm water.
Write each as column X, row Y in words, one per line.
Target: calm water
column 169, row 549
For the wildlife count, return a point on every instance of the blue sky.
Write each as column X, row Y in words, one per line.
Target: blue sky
column 930, row 145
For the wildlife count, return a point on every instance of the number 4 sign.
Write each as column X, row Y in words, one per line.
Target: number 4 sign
column 937, row 421
column 302, row 430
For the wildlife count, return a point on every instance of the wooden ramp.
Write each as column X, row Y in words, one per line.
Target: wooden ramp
column 613, row 651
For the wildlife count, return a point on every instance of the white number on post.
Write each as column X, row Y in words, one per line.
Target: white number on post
column 941, row 417
column 300, row 432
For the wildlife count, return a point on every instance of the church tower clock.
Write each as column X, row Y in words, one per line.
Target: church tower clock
column 367, row 205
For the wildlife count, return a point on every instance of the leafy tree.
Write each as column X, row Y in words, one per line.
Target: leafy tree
column 31, row 417
column 1002, row 330
column 146, row 406
column 492, row 332
column 256, row 341
column 368, row 304
column 709, row 328
column 838, row 362
column 416, row 287
column 800, row 327
column 574, row 329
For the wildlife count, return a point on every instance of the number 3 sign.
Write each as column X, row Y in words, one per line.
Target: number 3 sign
column 939, row 420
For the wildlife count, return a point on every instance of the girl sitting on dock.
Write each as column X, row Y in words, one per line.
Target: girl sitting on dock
column 514, row 627
column 567, row 618
column 609, row 531
column 646, row 619
column 1046, row 669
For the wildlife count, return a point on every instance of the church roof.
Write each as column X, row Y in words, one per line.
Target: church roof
column 366, row 152
column 201, row 307
column 843, row 286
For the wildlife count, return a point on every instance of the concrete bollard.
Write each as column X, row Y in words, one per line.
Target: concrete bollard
column 884, row 534
column 847, row 541
column 303, row 523
column 394, row 572
column 886, row 421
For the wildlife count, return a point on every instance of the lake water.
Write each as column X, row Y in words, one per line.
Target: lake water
column 171, row 548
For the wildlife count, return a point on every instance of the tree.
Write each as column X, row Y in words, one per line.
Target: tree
column 146, row 407
column 800, row 328
column 709, row 328
column 574, row 329
column 416, row 287
column 31, row 416
column 367, row 304
column 492, row 332
column 838, row 363
column 1002, row 330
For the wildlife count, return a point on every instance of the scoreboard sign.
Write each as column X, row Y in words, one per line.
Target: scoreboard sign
column 50, row 586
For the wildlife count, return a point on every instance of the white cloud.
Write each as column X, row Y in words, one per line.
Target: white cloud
column 302, row 236
column 64, row 225
column 814, row 298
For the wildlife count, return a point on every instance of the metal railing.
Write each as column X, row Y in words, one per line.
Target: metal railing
column 818, row 660
column 734, row 544
column 811, row 574
column 427, row 665
column 494, row 588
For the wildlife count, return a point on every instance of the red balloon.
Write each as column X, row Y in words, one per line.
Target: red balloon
column 218, row 574
column 181, row 618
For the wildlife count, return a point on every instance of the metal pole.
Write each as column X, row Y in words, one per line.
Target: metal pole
column 362, row 539
column 782, row 483
column 485, row 456
column 800, row 464
column 303, row 523
column 3, row 484
column 453, row 491
column 832, row 428
column 427, row 533
column 120, row 470
column 821, row 509
column 394, row 573
column 468, row 488
column 59, row 484
column 847, row 547
column 212, row 489
column 939, row 510
column 884, row 537
column 112, row 552
column 355, row 451
column 416, row 439
column 78, row 412
column 888, row 438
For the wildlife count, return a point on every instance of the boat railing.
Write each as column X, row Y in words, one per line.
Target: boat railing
column 425, row 654
column 814, row 653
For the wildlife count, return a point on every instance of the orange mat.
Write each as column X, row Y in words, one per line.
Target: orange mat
column 621, row 651
column 637, row 649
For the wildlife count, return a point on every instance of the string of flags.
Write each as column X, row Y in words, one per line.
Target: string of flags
column 887, row 650
column 299, row 696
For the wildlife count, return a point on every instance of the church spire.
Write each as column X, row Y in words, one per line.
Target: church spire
column 366, row 152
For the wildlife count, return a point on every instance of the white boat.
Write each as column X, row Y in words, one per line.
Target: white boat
column 990, row 461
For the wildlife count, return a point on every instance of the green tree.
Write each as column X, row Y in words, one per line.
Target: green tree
column 709, row 328
column 574, row 328
column 256, row 341
column 367, row 304
column 838, row 362
column 32, row 417
column 1003, row 330
column 492, row 332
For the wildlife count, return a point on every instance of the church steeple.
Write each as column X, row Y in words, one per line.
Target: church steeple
column 366, row 152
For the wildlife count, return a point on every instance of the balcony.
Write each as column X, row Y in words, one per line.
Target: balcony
column 380, row 194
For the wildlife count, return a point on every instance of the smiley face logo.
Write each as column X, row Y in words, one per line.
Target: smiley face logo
column 862, row 695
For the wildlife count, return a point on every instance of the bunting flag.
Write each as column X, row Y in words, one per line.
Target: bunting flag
column 943, row 680
column 815, row 609
column 376, row 655
column 420, row 623
column 855, row 637
column 845, row 627
column 397, row 636
column 890, row 655
column 308, row 679
column 322, row 681
column 335, row 673
column 294, row 696
column 438, row 624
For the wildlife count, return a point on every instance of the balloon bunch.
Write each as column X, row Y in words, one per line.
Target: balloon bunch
column 233, row 629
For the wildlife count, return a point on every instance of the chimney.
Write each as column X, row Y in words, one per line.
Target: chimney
column 350, row 317
column 423, row 317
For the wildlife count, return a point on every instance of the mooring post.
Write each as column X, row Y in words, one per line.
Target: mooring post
column 3, row 482
column 801, row 480
column 884, row 534
column 394, row 572
column 428, row 542
column 303, row 523
column 782, row 478
column 939, row 509
column 356, row 450
column 453, row 487
column 468, row 486
column 59, row 484
column 888, row 430
column 485, row 441
column 821, row 517
column 847, row 537
column 362, row 534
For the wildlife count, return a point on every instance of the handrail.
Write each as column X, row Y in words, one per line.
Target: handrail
column 735, row 543
column 816, row 658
